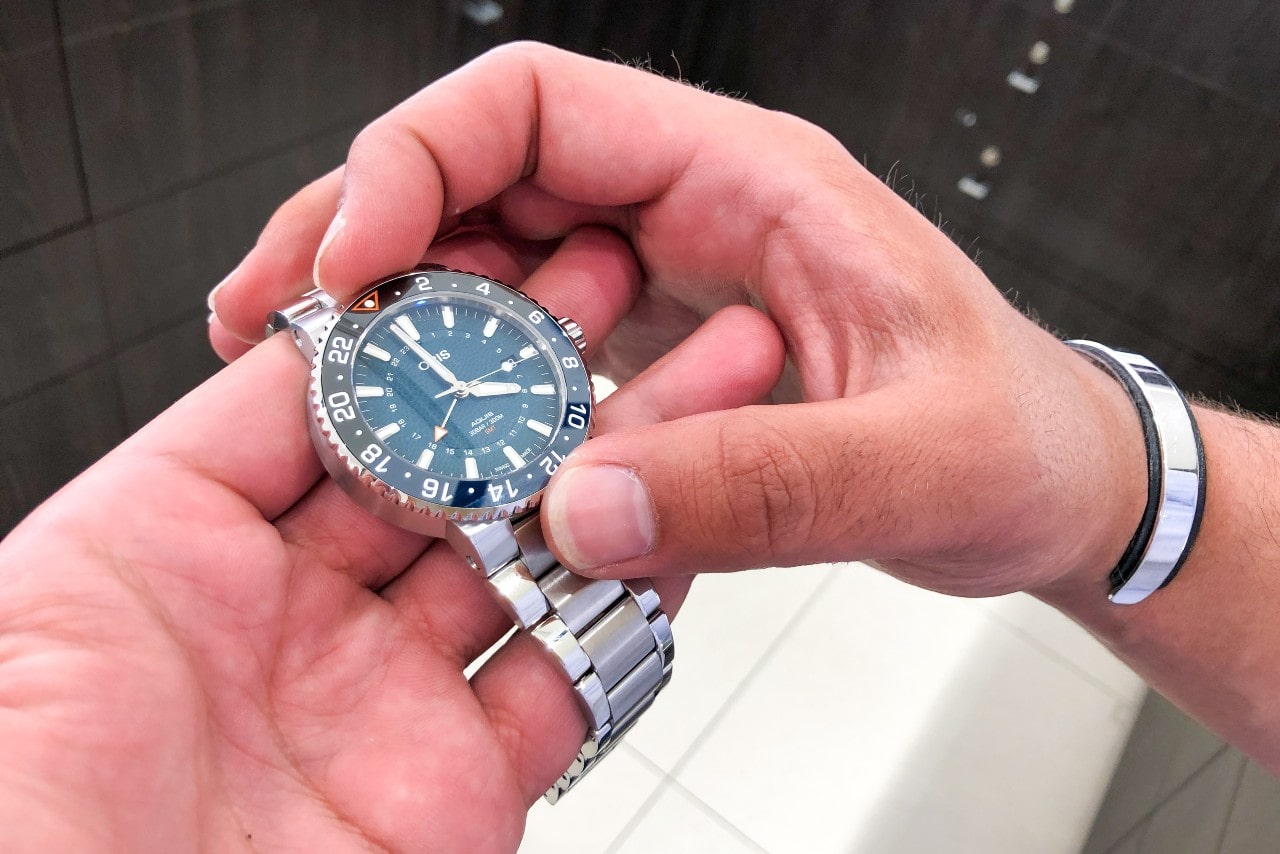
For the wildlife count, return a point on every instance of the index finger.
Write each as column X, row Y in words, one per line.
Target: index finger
column 590, row 132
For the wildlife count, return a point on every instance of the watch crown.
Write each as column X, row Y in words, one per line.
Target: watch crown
column 575, row 333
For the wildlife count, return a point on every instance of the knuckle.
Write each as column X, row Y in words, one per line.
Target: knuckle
column 522, row 51
column 770, row 489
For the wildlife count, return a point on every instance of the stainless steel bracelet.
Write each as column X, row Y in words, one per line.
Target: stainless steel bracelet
column 610, row 637
column 1176, row 474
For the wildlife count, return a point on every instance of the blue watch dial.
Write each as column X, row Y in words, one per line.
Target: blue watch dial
column 457, row 386
column 453, row 389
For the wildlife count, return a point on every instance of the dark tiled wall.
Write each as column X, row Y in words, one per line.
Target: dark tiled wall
column 143, row 143
column 1137, row 198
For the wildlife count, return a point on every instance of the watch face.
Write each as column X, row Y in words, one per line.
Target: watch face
column 454, row 389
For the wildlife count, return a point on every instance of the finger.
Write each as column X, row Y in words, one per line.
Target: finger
column 278, row 269
column 527, row 111
column 228, row 347
column 732, row 360
column 241, row 430
column 594, row 281
column 533, row 708
column 777, row 486
column 452, row 603
column 532, row 213
column 327, row 522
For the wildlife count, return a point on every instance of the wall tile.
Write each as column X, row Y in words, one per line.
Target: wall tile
column 1254, row 824
column 1132, row 841
column 158, row 371
column 37, row 149
column 165, row 103
column 52, row 435
column 1153, row 195
column 1091, row 13
column 83, row 17
column 1192, row 820
column 160, row 260
column 838, row 65
column 26, row 25
column 1070, row 311
column 1165, row 749
column 51, row 298
column 1235, row 46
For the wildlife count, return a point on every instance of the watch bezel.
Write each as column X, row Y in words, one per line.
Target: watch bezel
column 471, row 499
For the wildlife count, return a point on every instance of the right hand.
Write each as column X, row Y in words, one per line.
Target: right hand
column 941, row 433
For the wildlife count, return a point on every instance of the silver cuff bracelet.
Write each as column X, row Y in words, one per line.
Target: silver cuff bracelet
column 1175, row 475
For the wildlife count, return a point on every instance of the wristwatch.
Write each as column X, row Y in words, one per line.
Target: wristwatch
column 443, row 401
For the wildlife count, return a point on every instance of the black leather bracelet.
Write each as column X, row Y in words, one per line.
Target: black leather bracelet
column 1175, row 475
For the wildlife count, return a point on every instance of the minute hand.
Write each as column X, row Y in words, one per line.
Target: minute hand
column 432, row 362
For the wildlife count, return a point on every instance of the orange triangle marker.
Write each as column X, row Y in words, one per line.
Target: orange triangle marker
column 369, row 303
column 440, row 433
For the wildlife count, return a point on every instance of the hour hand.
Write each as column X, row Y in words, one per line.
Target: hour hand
column 421, row 352
column 491, row 389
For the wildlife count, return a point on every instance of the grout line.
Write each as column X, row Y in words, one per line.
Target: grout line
column 730, row 701
column 718, row 818
column 645, row 760
column 99, row 358
column 1097, row 303
column 737, row 693
column 1235, row 793
column 45, row 237
column 1137, row 832
column 1100, row 32
column 222, row 171
column 77, row 142
column 640, row 814
column 90, row 219
column 1050, row 652
column 82, row 181
column 187, row 10
column 1146, row 817
column 669, row 783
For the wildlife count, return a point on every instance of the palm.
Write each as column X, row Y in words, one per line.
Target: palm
column 237, row 680
column 228, row 649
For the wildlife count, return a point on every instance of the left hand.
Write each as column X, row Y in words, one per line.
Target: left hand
column 204, row 644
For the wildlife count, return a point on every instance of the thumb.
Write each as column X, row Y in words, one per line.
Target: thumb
column 745, row 488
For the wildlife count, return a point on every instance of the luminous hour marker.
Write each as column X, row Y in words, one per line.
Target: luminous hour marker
column 370, row 391
column 528, row 351
column 424, row 459
column 490, row 327
column 471, row 466
column 542, row 389
column 377, row 352
column 538, row 427
column 387, row 432
column 446, row 314
column 513, row 455
column 407, row 325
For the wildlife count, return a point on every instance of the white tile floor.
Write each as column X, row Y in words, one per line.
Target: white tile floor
column 832, row 709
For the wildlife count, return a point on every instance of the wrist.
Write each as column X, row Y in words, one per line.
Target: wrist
column 1110, row 457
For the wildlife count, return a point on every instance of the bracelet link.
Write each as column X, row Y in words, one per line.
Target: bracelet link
column 610, row 638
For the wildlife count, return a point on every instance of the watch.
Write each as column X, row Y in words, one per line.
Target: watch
column 443, row 401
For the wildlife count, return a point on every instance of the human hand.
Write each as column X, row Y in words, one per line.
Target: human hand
column 204, row 644
column 941, row 434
